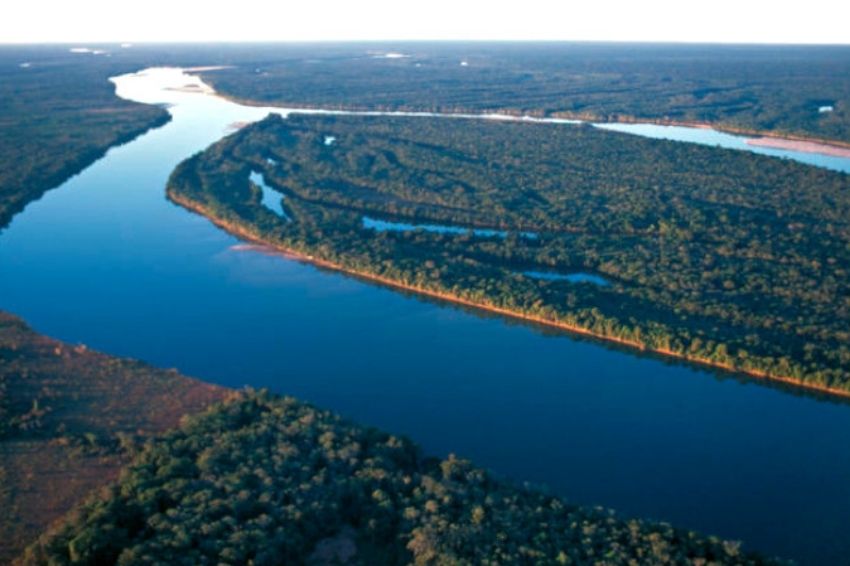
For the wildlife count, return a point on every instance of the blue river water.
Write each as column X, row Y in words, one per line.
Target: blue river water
column 107, row 261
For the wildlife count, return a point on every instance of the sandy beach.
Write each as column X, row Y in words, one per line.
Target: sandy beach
column 800, row 145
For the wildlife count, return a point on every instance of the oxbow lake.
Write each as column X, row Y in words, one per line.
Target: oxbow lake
column 107, row 261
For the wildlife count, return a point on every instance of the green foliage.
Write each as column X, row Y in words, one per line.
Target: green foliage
column 717, row 255
column 268, row 480
column 766, row 88
column 57, row 116
column 69, row 419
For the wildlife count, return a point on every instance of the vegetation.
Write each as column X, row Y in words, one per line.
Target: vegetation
column 58, row 114
column 69, row 419
column 729, row 258
column 777, row 89
column 715, row 255
column 260, row 479
column 268, row 480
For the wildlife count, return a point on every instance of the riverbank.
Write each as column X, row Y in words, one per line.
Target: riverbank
column 104, row 433
column 294, row 484
column 806, row 144
column 22, row 182
column 822, row 146
column 70, row 419
column 246, row 233
column 800, row 145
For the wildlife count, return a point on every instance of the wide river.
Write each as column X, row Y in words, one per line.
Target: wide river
column 105, row 260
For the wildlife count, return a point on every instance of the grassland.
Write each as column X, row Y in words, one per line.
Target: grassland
column 70, row 419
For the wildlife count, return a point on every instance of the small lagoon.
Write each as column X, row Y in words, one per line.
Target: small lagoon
column 272, row 199
column 385, row 225
column 577, row 277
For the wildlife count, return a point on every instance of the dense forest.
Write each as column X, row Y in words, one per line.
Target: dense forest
column 261, row 479
column 58, row 114
column 69, row 420
column 778, row 89
column 269, row 480
column 725, row 257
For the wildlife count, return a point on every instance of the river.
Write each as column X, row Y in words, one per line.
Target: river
column 107, row 261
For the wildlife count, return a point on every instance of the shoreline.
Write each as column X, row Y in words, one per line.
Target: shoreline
column 829, row 146
column 800, row 145
column 751, row 133
column 247, row 234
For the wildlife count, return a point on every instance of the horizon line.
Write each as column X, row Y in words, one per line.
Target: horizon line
column 131, row 42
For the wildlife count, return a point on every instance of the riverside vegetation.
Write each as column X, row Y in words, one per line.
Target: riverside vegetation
column 724, row 257
column 59, row 114
column 269, row 480
column 70, row 419
column 253, row 478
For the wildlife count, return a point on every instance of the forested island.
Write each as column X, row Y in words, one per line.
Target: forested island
column 717, row 256
column 59, row 114
column 781, row 90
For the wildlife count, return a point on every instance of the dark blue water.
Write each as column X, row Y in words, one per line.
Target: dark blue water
column 107, row 261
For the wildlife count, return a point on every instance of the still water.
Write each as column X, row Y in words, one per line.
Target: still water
column 386, row 225
column 107, row 261
column 578, row 277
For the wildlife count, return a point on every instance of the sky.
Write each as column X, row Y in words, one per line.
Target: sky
column 726, row 21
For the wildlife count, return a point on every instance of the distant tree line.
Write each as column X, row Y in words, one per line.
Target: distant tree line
column 778, row 89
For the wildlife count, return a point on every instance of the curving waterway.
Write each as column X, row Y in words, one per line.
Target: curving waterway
column 108, row 262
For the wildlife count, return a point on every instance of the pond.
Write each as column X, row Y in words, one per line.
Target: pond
column 272, row 199
column 386, row 225
column 578, row 277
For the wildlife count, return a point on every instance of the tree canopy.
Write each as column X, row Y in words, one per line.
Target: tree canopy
column 715, row 255
column 268, row 480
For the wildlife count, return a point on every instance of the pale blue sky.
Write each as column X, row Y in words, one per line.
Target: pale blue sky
column 80, row 21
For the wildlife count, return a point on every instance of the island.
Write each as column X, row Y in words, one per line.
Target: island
column 715, row 256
